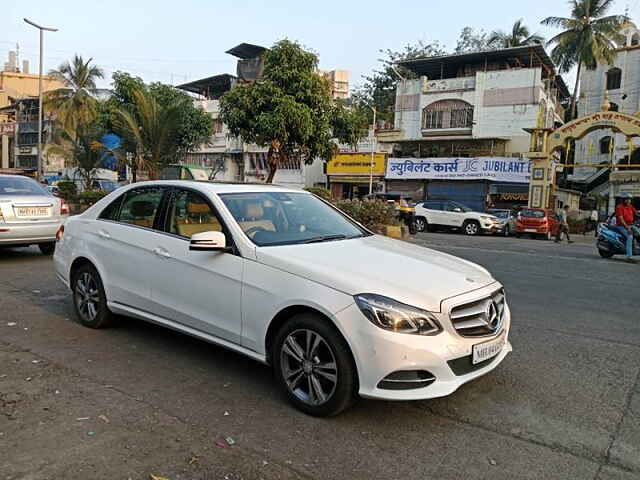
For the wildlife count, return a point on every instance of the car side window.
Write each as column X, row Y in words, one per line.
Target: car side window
column 189, row 213
column 432, row 205
column 112, row 210
column 140, row 205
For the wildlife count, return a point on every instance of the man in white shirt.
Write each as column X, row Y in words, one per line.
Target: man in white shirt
column 564, row 225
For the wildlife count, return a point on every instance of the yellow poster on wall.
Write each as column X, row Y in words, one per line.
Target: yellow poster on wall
column 356, row 164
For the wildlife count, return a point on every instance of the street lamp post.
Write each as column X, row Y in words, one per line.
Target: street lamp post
column 42, row 30
column 373, row 152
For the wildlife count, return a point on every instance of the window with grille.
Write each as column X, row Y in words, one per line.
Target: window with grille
column 447, row 114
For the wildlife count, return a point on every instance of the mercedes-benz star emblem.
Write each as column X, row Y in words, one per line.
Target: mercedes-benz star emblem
column 492, row 316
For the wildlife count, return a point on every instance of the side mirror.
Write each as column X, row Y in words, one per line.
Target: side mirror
column 208, row 242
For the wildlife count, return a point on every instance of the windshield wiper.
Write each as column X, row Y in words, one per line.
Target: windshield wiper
column 325, row 238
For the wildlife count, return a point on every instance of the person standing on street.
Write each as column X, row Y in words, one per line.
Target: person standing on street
column 625, row 216
column 564, row 225
column 594, row 221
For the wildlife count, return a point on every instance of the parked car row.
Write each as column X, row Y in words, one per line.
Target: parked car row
column 449, row 215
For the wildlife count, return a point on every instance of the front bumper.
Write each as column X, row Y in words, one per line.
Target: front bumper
column 28, row 233
column 447, row 356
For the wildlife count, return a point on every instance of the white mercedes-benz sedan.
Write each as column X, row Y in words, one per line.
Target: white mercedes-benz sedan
column 285, row 278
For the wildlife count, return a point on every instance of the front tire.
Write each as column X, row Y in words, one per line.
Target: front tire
column 314, row 366
column 89, row 299
column 47, row 248
column 471, row 227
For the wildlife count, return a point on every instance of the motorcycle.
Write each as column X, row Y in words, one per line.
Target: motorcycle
column 611, row 242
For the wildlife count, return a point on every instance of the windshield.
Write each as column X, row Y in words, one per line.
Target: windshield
column 500, row 213
column 12, row 186
column 278, row 218
column 532, row 213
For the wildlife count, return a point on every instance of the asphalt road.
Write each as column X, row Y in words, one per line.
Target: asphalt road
column 137, row 400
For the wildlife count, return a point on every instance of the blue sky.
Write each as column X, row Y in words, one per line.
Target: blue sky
column 163, row 40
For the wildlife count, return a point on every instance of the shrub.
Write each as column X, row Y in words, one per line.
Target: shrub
column 89, row 197
column 320, row 192
column 68, row 190
column 372, row 214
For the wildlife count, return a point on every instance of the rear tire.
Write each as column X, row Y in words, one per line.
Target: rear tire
column 321, row 381
column 89, row 299
column 47, row 248
column 605, row 253
column 471, row 228
column 421, row 224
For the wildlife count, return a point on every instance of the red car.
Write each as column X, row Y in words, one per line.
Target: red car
column 537, row 222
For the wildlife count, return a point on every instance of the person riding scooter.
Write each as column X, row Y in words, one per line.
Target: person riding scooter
column 625, row 217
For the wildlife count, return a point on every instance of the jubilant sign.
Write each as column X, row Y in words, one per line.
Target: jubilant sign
column 498, row 169
column 356, row 164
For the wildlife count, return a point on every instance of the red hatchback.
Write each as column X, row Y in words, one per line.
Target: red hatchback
column 538, row 222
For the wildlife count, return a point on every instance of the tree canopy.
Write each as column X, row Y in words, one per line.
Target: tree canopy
column 518, row 36
column 289, row 110
column 590, row 36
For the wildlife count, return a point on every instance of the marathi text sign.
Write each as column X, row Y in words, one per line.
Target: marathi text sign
column 498, row 169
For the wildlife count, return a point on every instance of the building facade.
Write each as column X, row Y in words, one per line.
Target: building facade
column 601, row 156
column 339, row 82
column 472, row 106
column 19, row 114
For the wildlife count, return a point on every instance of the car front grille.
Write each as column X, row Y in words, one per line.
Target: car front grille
column 481, row 318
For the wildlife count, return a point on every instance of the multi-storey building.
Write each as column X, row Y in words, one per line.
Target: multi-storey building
column 339, row 82
column 615, row 86
column 470, row 111
column 19, row 114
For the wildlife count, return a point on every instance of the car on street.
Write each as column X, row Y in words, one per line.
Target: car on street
column 29, row 214
column 450, row 215
column 287, row 279
column 506, row 220
column 537, row 222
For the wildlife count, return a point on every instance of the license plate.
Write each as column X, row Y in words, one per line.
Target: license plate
column 532, row 230
column 33, row 211
column 487, row 350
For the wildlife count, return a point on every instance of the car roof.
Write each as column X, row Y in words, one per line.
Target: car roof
column 221, row 187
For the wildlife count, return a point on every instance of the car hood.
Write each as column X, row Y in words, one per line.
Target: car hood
column 405, row 272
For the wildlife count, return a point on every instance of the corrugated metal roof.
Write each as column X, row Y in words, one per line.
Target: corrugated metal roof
column 246, row 50
column 210, row 87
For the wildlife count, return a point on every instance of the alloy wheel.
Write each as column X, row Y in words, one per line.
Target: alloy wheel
column 309, row 367
column 420, row 224
column 87, row 296
column 471, row 228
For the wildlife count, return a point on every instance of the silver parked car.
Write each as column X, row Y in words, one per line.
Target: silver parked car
column 506, row 219
column 29, row 214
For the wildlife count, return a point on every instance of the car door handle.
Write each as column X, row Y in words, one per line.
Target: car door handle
column 104, row 235
column 161, row 252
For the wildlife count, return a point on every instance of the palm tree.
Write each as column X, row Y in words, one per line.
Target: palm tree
column 589, row 37
column 148, row 131
column 75, row 104
column 518, row 36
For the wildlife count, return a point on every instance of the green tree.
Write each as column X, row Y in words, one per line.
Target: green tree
column 589, row 37
column 289, row 110
column 379, row 88
column 148, row 129
column 518, row 36
column 75, row 104
column 472, row 41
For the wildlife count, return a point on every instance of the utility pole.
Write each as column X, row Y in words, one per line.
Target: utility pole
column 42, row 29
column 373, row 151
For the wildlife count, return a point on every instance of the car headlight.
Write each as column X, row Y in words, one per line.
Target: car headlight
column 397, row 317
column 484, row 217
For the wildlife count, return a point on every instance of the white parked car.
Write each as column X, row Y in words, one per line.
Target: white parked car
column 287, row 279
column 29, row 214
column 453, row 215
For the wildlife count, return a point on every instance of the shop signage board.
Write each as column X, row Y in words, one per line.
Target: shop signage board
column 497, row 169
column 8, row 129
column 356, row 164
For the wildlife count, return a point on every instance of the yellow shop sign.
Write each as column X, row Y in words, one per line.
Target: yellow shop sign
column 356, row 164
